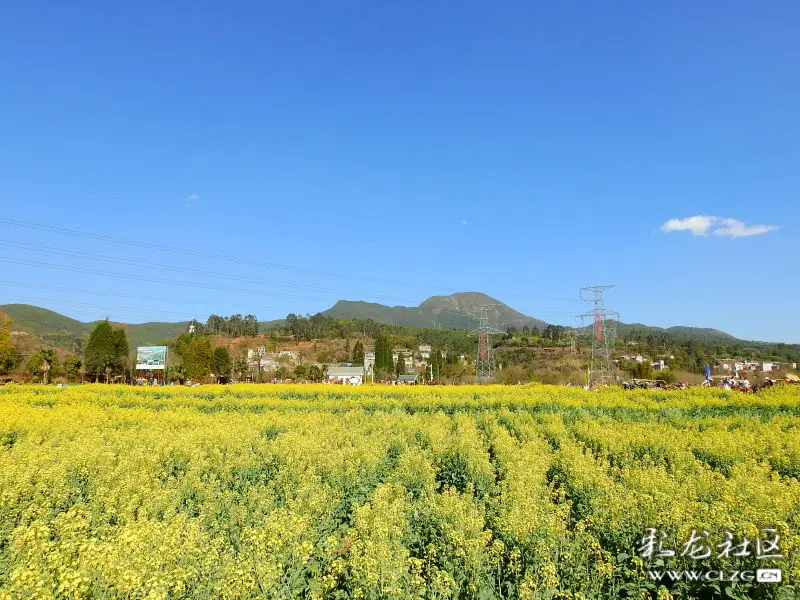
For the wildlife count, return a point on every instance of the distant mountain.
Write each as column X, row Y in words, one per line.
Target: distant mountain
column 697, row 334
column 55, row 329
column 455, row 311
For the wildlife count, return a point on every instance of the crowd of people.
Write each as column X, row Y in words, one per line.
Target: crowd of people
column 739, row 383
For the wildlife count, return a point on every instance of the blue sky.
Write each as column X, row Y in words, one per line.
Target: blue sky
column 411, row 148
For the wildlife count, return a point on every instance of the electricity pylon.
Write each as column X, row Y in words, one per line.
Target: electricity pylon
column 485, row 365
column 602, row 332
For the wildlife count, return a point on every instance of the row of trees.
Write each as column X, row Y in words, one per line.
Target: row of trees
column 105, row 354
column 233, row 326
column 199, row 359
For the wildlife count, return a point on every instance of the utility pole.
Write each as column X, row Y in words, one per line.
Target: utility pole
column 485, row 361
column 602, row 332
column 261, row 352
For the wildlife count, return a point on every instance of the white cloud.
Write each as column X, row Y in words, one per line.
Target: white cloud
column 463, row 221
column 734, row 228
column 698, row 225
column 723, row 227
column 191, row 197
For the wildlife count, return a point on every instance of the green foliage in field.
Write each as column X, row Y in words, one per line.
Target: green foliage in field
column 532, row 492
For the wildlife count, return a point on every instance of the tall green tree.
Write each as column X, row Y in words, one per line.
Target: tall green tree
column 643, row 370
column 121, row 348
column 196, row 355
column 106, row 350
column 358, row 353
column 400, row 367
column 436, row 362
column 221, row 362
column 7, row 348
column 380, row 365
column 72, row 367
column 384, row 361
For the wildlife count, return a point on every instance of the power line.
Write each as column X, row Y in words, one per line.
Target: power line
column 237, row 260
column 150, row 265
column 119, row 294
column 189, row 252
column 33, row 263
column 102, row 306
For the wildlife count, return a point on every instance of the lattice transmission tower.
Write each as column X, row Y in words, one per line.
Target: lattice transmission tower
column 485, row 365
column 601, row 331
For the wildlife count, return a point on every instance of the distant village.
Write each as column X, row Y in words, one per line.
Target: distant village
column 416, row 365
column 263, row 364
column 722, row 367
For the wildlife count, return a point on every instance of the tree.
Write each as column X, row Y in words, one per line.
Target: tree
column 283, row 372
column 121, row 348
column 42, row 364
column 7, row 348
column 292, row 325
column 301, row 372
column 105, row 350
column 436, row 362
column 195, row 350
column 315, row 373
column 382, row 366
column 175, row 373
column 240, row 368
column 72, row 367
column 400, row 367
column 221, row 362
column 358, row 354
column 643, row 370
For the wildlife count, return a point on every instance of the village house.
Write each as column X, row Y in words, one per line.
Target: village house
column 345, row 375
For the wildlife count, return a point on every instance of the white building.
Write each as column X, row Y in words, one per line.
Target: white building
column 269, row 364
column 767, row 366
column 658, row 365
column 345, row 375
column 424, row 351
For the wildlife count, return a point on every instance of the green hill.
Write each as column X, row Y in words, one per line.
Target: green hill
column 54, row 329
column 40, row 321
column 697, row 334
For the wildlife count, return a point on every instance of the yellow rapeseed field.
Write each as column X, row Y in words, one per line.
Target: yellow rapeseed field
column 481, row 492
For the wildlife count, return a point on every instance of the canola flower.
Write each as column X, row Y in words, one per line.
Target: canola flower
column 535, row 492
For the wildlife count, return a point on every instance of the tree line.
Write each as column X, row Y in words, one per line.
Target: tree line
column 233, row 326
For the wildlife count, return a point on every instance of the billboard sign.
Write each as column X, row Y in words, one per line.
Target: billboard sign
column 151, row 358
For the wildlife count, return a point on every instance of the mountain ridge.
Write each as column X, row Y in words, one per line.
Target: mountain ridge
column 454, row 311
